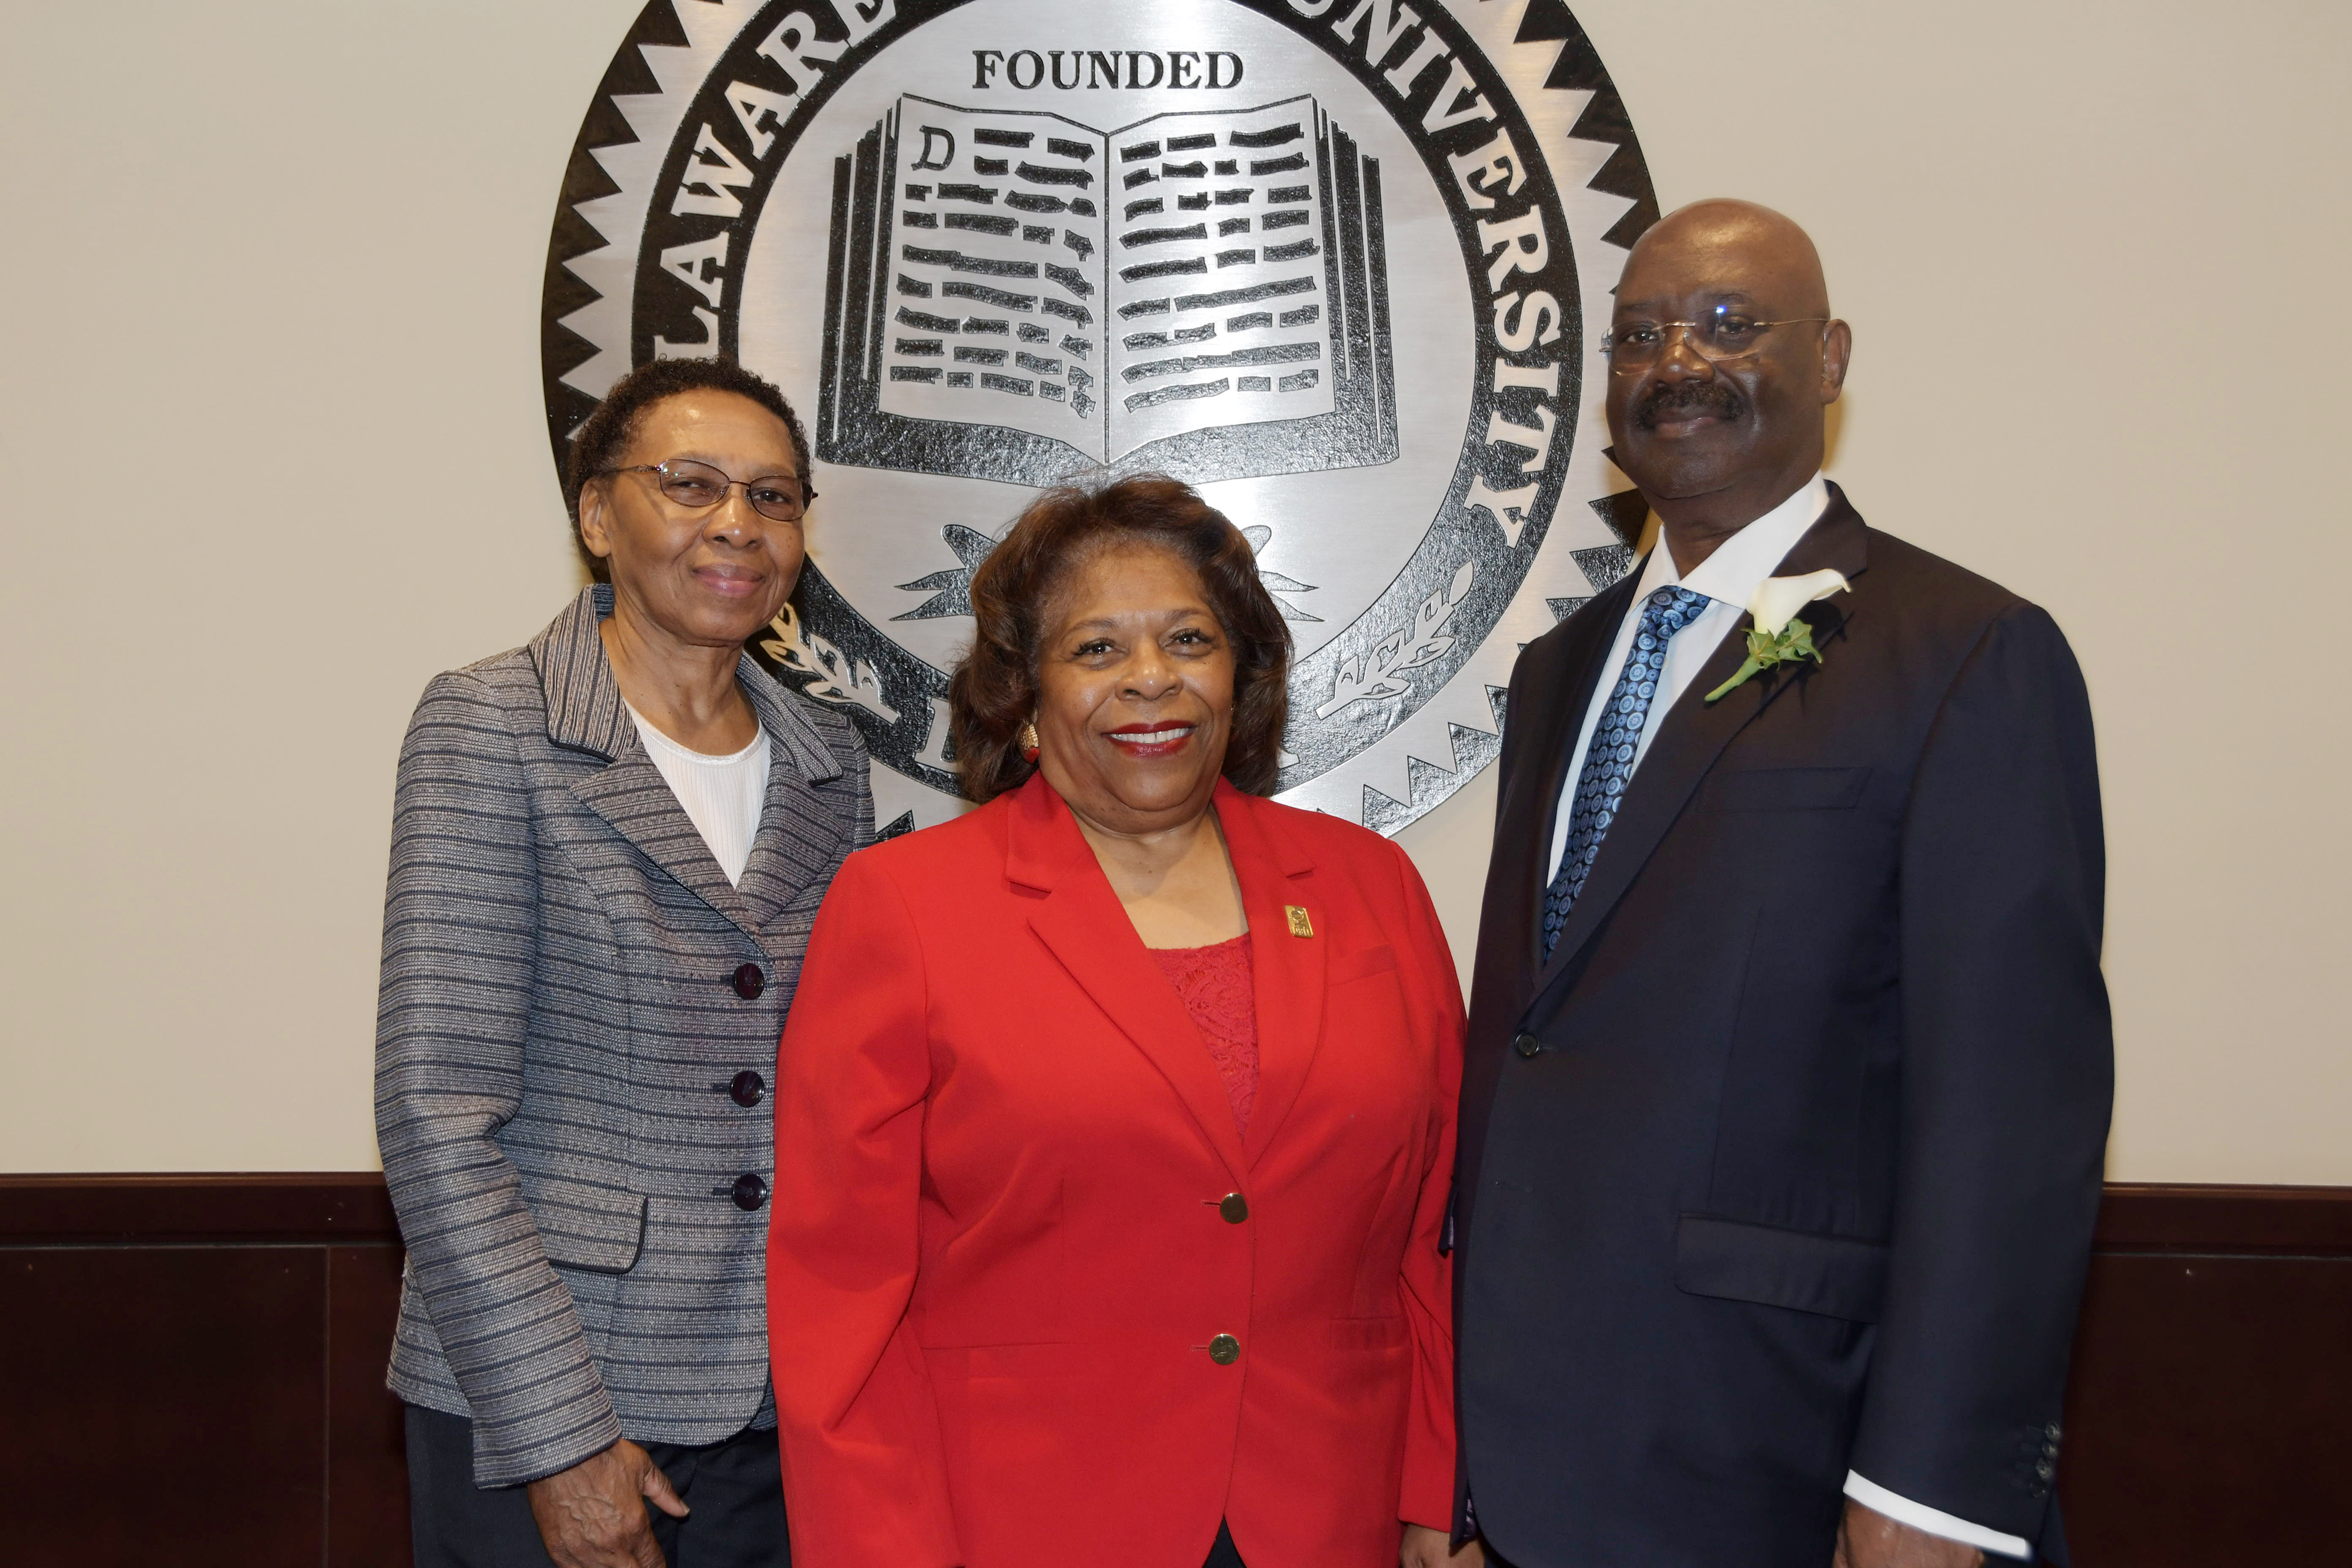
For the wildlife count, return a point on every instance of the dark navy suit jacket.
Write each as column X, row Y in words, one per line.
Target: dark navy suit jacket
column 1786, row 1162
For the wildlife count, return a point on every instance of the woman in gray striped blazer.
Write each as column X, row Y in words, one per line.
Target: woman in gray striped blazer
column 607, row 851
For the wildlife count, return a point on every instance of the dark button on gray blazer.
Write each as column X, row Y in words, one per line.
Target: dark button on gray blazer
column 556, row 1031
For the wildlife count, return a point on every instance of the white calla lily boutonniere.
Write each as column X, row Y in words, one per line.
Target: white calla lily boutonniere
column 1779, row 637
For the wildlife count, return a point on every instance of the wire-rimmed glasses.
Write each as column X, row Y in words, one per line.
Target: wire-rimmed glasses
column 698, row 487
column 1724, row 333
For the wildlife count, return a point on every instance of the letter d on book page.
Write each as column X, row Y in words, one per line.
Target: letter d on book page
column 994, row 297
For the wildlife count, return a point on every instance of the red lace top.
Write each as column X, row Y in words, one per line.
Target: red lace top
column 1220, row 992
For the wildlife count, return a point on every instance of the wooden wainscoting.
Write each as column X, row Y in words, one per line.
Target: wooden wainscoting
column 2209, row 1418
column 191, row 1373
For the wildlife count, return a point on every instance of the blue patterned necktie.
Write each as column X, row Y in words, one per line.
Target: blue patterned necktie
column 1616, row 740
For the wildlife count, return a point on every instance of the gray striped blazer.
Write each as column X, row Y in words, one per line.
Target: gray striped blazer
column 559, row 1022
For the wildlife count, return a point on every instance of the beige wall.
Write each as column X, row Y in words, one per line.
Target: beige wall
column 271, row 455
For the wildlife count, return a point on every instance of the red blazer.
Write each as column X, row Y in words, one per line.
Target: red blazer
column 997, row 1260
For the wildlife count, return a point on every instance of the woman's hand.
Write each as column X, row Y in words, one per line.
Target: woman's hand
column 1425, row 1548
column 594, row 1514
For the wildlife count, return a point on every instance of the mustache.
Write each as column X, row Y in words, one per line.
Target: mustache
column 1668, row 398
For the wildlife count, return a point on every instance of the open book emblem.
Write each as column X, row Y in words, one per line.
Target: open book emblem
column 1013, row 296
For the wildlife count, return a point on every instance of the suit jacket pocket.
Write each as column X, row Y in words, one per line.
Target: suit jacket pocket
column 1790, row 789
column 1361, row 964
column 585, row 1226
column 1837, row 1276
column 1024, row 1362
column 1369, row 1334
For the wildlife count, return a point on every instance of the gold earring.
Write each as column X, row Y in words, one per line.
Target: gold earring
column 1028, row 742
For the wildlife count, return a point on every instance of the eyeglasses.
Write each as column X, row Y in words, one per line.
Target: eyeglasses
column 1723, row 333
column 698, row 487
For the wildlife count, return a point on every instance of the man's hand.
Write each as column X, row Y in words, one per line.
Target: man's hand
column 594, row 1514
column 1425, row 1548
column 1868, row 1539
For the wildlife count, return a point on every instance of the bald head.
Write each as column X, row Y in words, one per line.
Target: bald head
column 1726, row 237
column 1722, row 365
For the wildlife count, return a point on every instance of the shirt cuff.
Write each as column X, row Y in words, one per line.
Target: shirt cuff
column 1919, row 1516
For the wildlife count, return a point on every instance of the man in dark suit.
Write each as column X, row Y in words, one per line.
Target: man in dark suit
column 1790, row 1066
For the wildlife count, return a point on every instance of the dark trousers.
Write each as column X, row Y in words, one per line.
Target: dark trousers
column 1223, row 1554
column 734, row 1489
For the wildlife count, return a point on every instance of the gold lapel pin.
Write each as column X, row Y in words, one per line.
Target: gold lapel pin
column 1299, row 924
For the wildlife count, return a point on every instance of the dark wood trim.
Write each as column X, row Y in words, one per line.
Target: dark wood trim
column 279, row 1208
column 2205, row 1419
column 210, row 1336
column 349, row 1208
column 2308, row 1221
column 187, row 1325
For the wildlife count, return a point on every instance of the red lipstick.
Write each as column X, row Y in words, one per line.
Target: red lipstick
column 1147, row 742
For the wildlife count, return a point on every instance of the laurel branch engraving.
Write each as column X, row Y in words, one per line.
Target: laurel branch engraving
column 839, row 678
column 1370, row 678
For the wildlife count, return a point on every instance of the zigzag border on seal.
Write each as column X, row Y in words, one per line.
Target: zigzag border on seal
column 586, row 343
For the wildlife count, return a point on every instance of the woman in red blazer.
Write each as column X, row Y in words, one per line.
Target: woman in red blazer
column 1115, row 1118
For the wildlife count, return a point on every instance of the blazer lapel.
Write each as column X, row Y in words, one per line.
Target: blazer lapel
column 1287, row 967
column 1582, row 658
column 1081, row 922
column 1695, row 731
column 637, row 803
column 802, row 830
column 584, row 713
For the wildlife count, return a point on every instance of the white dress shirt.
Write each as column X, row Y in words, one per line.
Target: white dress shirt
column 1729, row 577
column 722, row 796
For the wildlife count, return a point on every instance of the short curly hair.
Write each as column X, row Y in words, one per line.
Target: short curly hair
column 994, row 691
column 605, row 434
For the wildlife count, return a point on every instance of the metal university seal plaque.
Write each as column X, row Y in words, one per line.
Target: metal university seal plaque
column 1336, row 262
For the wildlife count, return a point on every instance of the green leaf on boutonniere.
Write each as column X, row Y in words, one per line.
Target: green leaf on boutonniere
column 1793, row 645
